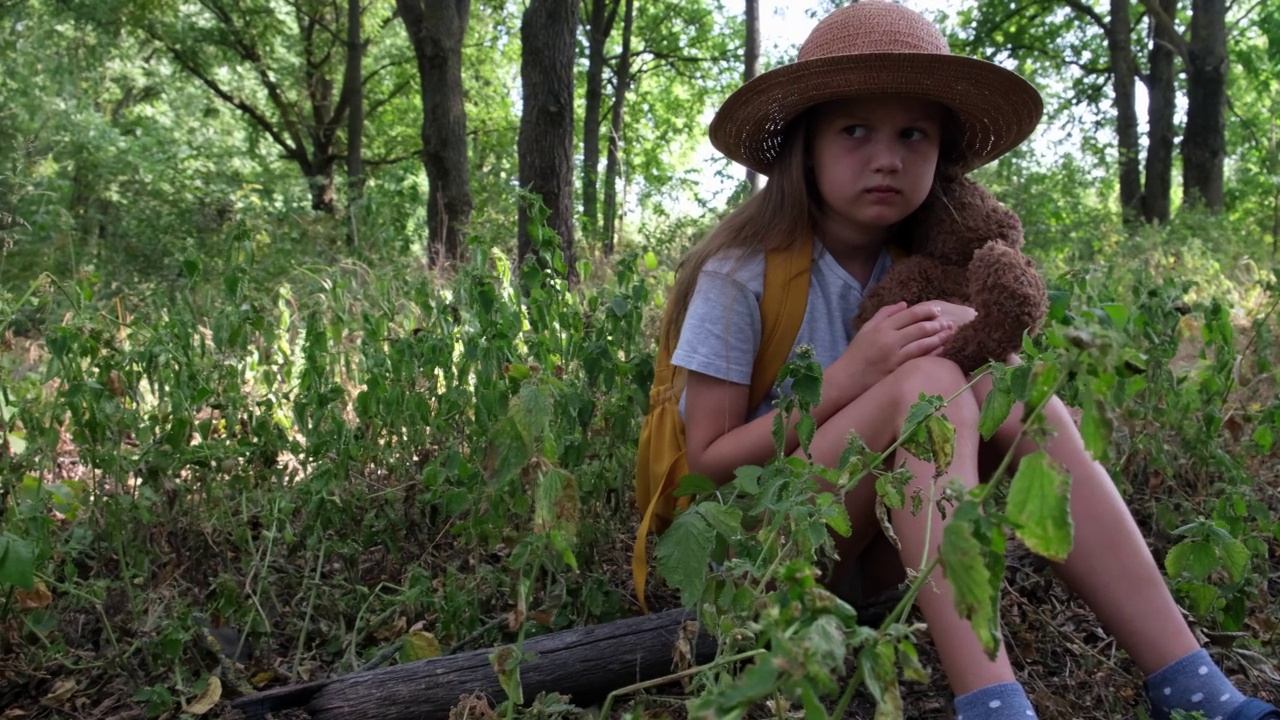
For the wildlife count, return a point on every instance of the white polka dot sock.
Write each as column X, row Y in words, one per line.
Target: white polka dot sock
column 1002, row 701
column 1192, row 683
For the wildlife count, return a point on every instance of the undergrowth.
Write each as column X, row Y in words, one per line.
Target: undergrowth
column 269, row 472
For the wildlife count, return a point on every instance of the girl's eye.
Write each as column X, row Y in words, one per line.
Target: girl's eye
column 854, row 131
column 914, row 134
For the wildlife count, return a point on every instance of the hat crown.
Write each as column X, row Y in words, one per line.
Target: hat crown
column 873, row 26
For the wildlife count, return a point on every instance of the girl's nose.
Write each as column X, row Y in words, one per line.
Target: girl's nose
column 888, row 157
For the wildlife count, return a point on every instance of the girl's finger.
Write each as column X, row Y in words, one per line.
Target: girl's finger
column 928, row 345
column 917, row 313
column 887, row 311
column 921, row 330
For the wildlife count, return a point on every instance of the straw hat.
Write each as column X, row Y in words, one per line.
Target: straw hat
column 876, row 47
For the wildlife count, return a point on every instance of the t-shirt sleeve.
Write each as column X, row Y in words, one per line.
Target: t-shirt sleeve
column 721, row 331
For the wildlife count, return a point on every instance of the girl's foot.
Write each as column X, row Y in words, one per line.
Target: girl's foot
column 1195, row 683
column 1002, row 701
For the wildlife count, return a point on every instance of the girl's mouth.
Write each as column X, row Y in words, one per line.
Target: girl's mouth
column 883, row 192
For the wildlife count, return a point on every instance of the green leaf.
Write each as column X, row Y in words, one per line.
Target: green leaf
column 694, row 484
column 890, row 489
column 942, row 441
column 724, row 519
column 683, row 553
column 755, row 683
column 813, row 707
column 1264, row 438
column 1096, row 427
column 909, row 659
column 1117, row 313
column 995, row 410
column 806, row 426
column 836, row 517
column 1193, row 558
column 965, row 566
column 807, row 386
column 878, row 671
column 1039, row 503
column 1235, row 559
column 1200, row 597
column 1044, row 381
column 17, row 562
column 650, row 261
column 747, row 479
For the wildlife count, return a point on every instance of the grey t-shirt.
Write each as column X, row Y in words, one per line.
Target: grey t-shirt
column 721, row 331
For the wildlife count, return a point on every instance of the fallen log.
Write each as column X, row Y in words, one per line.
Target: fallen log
column 584, row 663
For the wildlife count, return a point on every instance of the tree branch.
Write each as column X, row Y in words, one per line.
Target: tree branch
column 1092, row 14
column 397, row 159
column 1232, row 28
column 250, row 53
column 259, row 118
column 1166, row 23
column 375, row 106
column 384, row 66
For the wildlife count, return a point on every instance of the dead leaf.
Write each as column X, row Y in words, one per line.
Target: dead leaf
column 62, row 689
column 394, row 631
column 13, row 713
column 472, row 707
column 207, row 699
column 35, row 599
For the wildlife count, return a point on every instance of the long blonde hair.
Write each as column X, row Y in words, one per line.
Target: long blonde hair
column 784, row 212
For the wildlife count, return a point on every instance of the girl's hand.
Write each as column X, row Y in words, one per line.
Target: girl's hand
column 896, row 334
column 958, row 315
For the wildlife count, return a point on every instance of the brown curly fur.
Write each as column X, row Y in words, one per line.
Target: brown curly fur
column 966, row 250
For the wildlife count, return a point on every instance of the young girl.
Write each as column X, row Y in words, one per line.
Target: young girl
column 853, row 137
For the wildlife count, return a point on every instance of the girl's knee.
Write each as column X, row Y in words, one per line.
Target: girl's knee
column 934, row 376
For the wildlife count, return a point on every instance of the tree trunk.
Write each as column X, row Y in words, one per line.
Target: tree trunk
column 621, row 84
column 599, row 28
column 545, row 146
column 320, row 180
column 352, row 88
column 1162, row 100
column 436, row 29
column 1204, row 139
column 1122, row 82
column 751, row 66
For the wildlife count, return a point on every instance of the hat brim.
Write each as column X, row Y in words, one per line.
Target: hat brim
column 997, row 108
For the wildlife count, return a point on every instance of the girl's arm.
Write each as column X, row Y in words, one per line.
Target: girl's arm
column 718, row 438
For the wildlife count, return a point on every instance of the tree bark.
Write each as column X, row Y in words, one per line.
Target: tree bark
column 1122, row 82
column 545, row 146
column 621, row 84
column 1204, row 139
column 436, row 29
column 1162, row 99
column 352, row 86
column 751, row 66
column 599, row 28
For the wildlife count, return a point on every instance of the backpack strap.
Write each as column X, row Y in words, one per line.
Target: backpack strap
column 782, row 306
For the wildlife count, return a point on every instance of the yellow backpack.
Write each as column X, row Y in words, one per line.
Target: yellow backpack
column 660, row 458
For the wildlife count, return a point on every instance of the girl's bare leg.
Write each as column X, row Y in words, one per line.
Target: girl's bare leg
column 1110, row 566
column 877, row 417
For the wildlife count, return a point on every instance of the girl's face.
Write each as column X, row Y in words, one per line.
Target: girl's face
column 873, row 161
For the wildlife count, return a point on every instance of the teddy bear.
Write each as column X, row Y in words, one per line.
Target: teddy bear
column 964, row 247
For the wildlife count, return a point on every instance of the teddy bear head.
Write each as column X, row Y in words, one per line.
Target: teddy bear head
column 961, row 217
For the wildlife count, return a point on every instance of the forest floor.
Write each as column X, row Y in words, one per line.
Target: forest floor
column 1069, row 665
